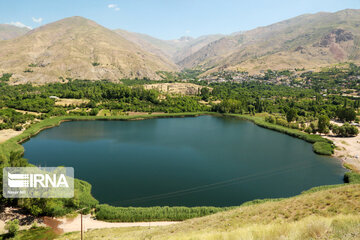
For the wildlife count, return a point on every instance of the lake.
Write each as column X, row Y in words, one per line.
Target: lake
column 197, row 161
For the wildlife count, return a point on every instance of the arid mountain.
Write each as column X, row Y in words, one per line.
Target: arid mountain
column 186, row 46
column 76, row 48
column 176, row 49
column 308, row 41
column 148, row 43
column 8, row 31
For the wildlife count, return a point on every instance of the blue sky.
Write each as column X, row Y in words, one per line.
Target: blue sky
column 168, row 19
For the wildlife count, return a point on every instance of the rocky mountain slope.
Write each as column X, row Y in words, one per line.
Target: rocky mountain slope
column 175, row 50
column 77, row 48
column 308, row 41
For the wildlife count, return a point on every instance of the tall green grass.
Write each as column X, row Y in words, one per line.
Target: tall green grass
column 147, row 214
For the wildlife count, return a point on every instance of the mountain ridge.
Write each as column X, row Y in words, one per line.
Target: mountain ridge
column 274, row 46
column 8, row 31
column 77, row 47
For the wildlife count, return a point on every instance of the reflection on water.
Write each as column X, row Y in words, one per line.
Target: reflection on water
column 183, row 161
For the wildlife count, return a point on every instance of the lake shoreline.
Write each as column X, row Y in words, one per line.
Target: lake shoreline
column 15, row 142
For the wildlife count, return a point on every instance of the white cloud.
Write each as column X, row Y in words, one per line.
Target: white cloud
column 187, row 31
column 37, row 20
column 114, row 6
column 20, row 24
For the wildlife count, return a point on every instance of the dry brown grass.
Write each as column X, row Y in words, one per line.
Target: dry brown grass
column 70, row 101
column 175, row 88
column 326, row 214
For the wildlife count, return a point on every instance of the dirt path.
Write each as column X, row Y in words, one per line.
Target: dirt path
column 6, row 134
column 348, row 149
column 64, row 225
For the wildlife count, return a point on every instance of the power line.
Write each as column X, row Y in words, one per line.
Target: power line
column 218, row 184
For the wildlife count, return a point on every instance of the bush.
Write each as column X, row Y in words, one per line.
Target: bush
column 5, row 77
column 270, row 119
column 281, row 122
column 12, row 227
column 352, row 177
column 323, row 148
column 308, row 130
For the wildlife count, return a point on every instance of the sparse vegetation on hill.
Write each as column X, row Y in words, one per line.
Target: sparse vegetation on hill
column 308, row 41
column 326, row 214
column 76, row 38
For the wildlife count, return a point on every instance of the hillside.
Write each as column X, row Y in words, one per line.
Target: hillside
column 76, row 48
column 148, row 43
column 325, row 214
column 309, row 41
column 8, row 31
column 175, row 50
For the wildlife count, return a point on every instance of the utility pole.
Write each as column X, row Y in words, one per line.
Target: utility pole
column 81, row 223
column 81, row 226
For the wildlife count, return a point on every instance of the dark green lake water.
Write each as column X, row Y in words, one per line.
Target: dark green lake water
column 202, row 161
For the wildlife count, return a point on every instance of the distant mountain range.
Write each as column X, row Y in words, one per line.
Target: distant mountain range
column 80, row 48
column 8, row 31
column 308, row 41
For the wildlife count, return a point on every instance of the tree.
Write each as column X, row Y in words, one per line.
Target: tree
column 205, row 93
column 229, row 106
column 16, row 160
column 323, row 124
column 345, row 130
column 291, row 115
column 346, row 114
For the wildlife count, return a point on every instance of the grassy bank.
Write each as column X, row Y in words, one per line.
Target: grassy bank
column 326, row 214
column 83, row 196
column 320, row 145
column 135, row 214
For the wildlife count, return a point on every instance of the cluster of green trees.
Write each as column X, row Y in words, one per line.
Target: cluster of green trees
column 103, row 94
column 346, row 130
column 9, row 118
column 294, row 107
column 333, row 79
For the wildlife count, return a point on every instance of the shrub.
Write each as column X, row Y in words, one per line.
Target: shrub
column 12, row 227
column 323, row 148
column 6, row 77
column 281, row 122
column 270, row 119
column 308, row 130
column 352, row 177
